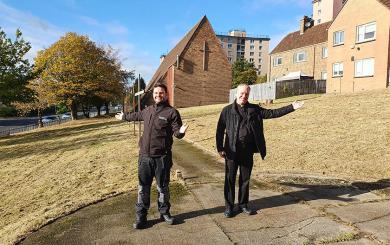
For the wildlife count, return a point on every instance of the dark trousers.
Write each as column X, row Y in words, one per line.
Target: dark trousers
column 243, row 161
column 149, row 167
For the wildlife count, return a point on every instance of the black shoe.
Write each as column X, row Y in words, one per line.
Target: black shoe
column 167, row 218
column 228, row 213
column 247, row 211
column 139, row 224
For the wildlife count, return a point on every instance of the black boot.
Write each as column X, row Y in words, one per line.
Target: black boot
column 140, row 223
column 167, row 218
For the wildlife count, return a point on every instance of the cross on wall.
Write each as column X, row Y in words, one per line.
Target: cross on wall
column 206, row 52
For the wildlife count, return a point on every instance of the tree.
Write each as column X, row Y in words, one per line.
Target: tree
column 261, row 79
column 39, row 101
column 243, row 72
column 78, row 72
column 15, row 70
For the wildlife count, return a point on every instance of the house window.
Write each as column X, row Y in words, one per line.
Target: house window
column 259, row 67
column 260, row 61
column 338, row 69
column 252, row 47
column 251, row 53
column 366, row 32
column 229, row 53
column 260, row 47
column 319, row 11
column 300, row 57
column 324, row 75
column 319, row 21
column 259, row 54
column 252, row 41
column 338, row 38
column 230, row 59
column 221, row 45
column 251, row 60
column 230, row 45
column 324, row 52
column 364, row 67
column 277, row 61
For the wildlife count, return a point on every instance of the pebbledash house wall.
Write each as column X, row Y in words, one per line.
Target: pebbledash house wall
column 313, row 66
column 353, row 14
column 194, row 86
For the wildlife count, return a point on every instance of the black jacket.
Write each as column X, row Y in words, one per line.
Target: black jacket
column 160, row 123
column 229, row 122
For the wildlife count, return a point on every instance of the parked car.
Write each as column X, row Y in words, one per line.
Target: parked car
column 48, row 119
column 66, row 115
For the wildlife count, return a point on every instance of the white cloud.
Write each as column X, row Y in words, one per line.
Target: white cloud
column 112, row 27
column 141, row 62
column 39, row 33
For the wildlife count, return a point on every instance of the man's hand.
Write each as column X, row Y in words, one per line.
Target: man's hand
column 183, row 128
column 297, row 104
column 120, row 116
column 222, row 154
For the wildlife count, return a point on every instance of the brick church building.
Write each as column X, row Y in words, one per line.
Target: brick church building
column 196, row 71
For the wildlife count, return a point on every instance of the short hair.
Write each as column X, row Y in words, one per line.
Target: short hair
column 161, row 85
column 243, row 85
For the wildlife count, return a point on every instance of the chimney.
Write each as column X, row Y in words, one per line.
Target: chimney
column 162, row 57
column 304, row 24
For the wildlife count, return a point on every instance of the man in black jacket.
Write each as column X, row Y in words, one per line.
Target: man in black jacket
column 161, row 121
column 242, row 125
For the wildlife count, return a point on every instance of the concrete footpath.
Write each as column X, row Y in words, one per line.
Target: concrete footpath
column 290, row 210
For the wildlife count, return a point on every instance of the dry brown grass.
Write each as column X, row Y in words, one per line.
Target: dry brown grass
column 344, row 136
column 49, row 172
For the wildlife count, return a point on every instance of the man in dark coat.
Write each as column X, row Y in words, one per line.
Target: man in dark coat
column 241, row 125
column 161, row 121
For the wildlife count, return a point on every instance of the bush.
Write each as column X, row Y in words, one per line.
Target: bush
column 6, row 111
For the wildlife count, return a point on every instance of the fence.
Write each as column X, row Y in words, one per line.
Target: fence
column 296, row 87
column 10, row 131
column 262, row 91
column 282, row 89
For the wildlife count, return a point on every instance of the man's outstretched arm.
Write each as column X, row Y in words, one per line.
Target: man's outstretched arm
column 274, row 113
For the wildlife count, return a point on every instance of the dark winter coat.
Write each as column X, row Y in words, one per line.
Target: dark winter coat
column 160, row 123
column 228, row 126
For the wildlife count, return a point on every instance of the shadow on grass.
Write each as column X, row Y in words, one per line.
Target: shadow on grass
column 60, row 137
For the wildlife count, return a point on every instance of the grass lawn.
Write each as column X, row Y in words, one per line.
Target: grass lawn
column 345, row 136
column 49, row 172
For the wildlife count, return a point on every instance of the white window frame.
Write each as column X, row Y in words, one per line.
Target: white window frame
column 297, row 55
column 277, row 61
column 230, row 45
column 251, row 60
column 338, row 72
column 361, row 32
column 337, row 40
column 324, row 52
column 251, row 53
column 252, row 47
column 365, row 67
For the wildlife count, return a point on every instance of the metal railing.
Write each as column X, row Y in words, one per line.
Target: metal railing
column 10, row 131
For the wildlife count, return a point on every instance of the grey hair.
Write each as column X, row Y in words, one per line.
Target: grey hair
column 242, row 85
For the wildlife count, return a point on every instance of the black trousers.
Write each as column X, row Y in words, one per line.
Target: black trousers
column 243, row 161
column 149, row 167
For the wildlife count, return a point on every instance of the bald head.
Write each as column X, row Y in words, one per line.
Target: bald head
column 242, row 95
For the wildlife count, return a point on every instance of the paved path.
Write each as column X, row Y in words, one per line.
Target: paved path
column 313, row 211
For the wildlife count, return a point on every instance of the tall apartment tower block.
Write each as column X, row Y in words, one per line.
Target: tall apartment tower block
column 326, row 10
column 255, row 49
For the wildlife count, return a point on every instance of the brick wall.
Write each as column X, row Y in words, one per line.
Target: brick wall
column 194, row 86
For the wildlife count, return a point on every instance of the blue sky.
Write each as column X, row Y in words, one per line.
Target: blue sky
column 143, row 30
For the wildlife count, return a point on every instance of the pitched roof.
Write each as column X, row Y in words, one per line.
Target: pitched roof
column 171, row 57
column 313, row 35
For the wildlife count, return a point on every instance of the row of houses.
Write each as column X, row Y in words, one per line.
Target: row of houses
column 346, row 43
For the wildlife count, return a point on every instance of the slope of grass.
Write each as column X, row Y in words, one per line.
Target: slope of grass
column 52, row 171
column 334, row 135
